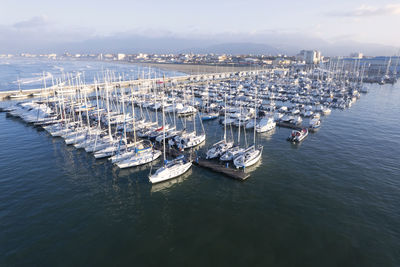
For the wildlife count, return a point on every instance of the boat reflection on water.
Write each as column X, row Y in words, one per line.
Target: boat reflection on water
column 159, row 187
column 267, row 135
column 127, row 172
column 253, row 167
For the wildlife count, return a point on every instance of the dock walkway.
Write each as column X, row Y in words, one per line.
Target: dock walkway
column 215, row 166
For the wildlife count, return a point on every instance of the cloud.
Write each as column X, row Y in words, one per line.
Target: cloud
column 34, row 22
column 39, row 34
column 368, row 11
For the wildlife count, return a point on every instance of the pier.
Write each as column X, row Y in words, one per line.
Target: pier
column 236, row 174
column 212, row 165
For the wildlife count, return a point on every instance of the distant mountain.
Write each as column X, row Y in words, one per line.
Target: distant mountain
column 289, row 45
column 223, row 43
column 137, row 44
column 237, row 49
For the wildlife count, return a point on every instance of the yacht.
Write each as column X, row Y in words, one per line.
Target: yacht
column 265, row 125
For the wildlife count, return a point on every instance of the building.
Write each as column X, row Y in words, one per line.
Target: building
column 310, row 56
column 356, row 55
column 121, row 56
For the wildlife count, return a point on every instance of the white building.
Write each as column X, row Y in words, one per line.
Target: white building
column 121, row 56
column 310, row 56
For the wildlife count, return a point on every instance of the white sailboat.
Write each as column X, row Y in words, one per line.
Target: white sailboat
column 220, row 147
column 236, row 150
column 192, row 139
column 252, row 154
column 171, row 169
column 139, row 157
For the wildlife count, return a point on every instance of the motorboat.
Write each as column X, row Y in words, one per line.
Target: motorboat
column 298, row 135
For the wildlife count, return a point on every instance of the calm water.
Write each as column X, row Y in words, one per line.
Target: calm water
column 332, row 201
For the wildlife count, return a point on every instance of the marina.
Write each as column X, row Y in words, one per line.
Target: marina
column 134, row 122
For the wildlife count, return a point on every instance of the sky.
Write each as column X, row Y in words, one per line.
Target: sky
column 30, row 22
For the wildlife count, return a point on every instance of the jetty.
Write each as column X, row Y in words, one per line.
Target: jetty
column 213, row 165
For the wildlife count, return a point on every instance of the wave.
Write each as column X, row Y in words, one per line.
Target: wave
column 34, row 79
column 61, row 69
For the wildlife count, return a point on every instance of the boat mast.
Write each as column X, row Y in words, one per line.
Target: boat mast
column 255, row 115
column 133, row 117
column 87, row 111
column 194, row 115
column 163, row 121
column 97, row 89
column 240, row 112
column 225, row 119
column 123, row 111
column 108, row 112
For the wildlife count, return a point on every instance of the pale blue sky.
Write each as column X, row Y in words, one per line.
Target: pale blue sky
column 357, row 20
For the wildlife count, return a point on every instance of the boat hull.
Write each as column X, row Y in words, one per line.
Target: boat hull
column 169, row 173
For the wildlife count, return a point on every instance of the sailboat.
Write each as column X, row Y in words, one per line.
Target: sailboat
column 220, row 147
column 139, row 157
column 252, row 154
column 170, row 169
column 236, row 150
column 209, row 114
column 20, row 94
column 139, row 154
column 189, row 140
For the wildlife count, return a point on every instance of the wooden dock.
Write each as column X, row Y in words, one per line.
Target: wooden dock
column 213, row 165
column 227, row 171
